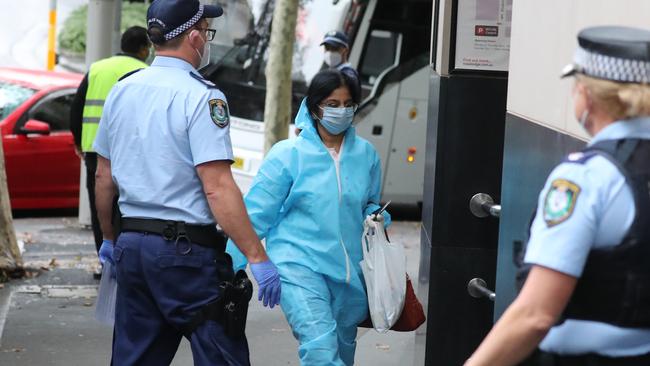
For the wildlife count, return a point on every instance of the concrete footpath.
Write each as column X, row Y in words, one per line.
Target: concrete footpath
column 48, row 318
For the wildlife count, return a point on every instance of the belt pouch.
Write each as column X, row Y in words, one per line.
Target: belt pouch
column 236, row 296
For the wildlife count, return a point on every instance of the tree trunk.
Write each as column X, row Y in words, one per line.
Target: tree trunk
column 10, row 258
column 277, row 106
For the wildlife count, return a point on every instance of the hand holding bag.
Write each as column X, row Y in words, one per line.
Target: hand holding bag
column 384, row 270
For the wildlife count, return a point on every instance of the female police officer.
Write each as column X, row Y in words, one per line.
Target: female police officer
column 164, row 142
column 587, row 296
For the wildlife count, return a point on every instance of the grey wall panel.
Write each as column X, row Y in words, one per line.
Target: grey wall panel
column 531, row 151
column 544, row 41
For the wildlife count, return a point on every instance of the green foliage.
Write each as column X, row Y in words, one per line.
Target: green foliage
column 72, row 37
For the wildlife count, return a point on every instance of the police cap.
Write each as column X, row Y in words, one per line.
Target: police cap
column 336, row 39
column 620, row 54
column 174, row 17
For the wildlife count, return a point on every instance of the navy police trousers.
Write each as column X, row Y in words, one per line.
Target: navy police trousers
column 159, row 288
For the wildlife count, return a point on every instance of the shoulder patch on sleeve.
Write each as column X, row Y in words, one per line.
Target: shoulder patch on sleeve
column 219, row 112
column 560, row 201
column 203, row 81
column 128, row 74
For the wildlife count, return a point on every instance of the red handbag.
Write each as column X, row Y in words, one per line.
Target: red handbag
column 412, row 314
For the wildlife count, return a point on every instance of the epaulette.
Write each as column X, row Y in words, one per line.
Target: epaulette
column 128, row 74
column 203, row 81
column 580, row 157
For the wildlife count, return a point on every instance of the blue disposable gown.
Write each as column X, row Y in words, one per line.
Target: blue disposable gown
column 294, row 202
column 312, row 228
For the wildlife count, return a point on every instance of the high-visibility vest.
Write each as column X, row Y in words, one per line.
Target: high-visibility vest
column 102, row 76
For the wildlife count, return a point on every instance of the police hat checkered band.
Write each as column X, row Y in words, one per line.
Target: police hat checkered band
column 185, row 26
column 611, row 68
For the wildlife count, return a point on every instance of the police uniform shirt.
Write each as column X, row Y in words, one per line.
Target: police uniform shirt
column 584, row 205
column 157, row 126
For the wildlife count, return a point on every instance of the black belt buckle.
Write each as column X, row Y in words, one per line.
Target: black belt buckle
column 180, row 235
column 169, row 232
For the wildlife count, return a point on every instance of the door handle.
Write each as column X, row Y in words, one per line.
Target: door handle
column 477, row 288
column 482, row 205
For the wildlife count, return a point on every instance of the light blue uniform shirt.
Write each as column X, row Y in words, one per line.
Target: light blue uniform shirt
column 157, row 126
column 602, row 214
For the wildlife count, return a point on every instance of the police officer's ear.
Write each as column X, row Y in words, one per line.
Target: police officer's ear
column 345, row 52
column 584, row 91
column 144, row 52
column 195, row 38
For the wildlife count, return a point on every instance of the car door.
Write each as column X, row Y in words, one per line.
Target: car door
column 43, row 169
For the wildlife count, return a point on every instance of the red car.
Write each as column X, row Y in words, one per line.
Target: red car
column 41, row 164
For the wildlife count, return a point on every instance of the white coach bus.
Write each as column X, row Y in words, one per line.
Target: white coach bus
column 389, row 47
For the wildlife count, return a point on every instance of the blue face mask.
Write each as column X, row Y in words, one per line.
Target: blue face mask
column 337, row 120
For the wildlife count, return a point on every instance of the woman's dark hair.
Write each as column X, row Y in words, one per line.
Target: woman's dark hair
column 134, row 39
column 324, row 83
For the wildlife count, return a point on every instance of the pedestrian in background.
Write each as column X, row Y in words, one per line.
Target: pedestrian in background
column 587, row 295
column 88, row 103
column 337, row 51
column 309, row 200
column 164, row 144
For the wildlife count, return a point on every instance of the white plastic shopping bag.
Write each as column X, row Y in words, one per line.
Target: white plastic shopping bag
column 384, row 269
column 107, row 294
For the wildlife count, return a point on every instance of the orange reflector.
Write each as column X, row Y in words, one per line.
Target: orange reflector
column 412, row 150
column 413, row 113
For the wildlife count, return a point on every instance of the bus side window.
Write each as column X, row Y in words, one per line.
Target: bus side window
column 380, row 52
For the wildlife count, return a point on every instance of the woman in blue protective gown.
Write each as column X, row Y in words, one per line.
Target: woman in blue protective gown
column 309, row 200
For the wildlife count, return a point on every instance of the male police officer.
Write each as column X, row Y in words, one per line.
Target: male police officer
column 89, row 101
column 164, row 140
column 337, row 50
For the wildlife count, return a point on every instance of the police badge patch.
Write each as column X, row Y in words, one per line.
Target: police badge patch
column 219, row 112
column 560, row 201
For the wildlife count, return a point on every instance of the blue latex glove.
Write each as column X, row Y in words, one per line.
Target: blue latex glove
column 106, row 252
column 267, row 277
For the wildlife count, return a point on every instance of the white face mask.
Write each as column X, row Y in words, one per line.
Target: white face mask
column 205, row 57
column 333, row 59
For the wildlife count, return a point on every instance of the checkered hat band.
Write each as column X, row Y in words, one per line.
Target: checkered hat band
column 185, row 26
column 612, row 68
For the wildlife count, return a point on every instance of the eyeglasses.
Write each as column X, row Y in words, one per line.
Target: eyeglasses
column 336, row 104
column 209, row 33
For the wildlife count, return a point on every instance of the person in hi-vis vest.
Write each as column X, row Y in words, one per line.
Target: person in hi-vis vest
column 88, row 104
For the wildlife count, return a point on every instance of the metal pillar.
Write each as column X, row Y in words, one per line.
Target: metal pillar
column 100, row 28
column 464, row 157
column 117, row 28
column 51, row 37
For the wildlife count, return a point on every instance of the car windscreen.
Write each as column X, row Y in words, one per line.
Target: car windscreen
column 11, row 97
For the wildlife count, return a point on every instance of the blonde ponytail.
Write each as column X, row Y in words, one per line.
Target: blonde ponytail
column 619, row 100
column 636, row 99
